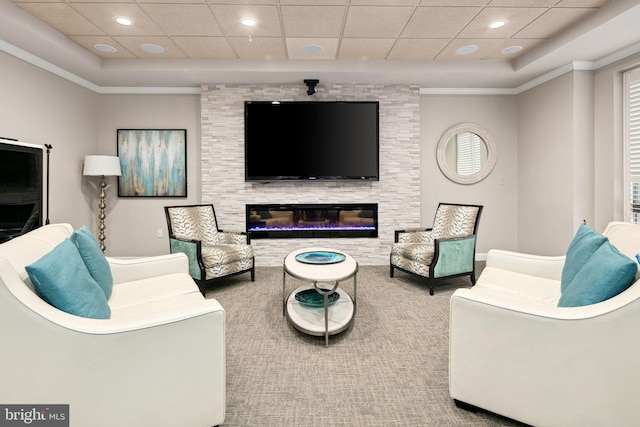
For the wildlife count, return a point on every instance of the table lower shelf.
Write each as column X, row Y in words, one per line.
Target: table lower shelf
column 310, row 320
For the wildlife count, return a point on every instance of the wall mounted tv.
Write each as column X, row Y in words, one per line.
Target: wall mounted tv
column 311, row 140
column 21, row 188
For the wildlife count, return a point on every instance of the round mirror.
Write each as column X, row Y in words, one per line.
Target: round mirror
column 466, row 153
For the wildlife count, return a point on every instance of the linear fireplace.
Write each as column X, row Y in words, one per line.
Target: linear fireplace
column 274, row 221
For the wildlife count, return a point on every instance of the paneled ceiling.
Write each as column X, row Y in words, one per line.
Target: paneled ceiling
column 331, row 37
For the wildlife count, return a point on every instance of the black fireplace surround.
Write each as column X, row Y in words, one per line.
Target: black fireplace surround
column 273, row 221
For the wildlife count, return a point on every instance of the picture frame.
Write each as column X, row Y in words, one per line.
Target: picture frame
column 153, row 162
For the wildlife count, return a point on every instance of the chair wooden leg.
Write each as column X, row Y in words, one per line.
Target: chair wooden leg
column 430, row 289
column 391, row 271
column 253, row 274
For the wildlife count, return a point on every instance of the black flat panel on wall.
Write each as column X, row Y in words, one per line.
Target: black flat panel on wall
column 274, row 221
column 311, row 140
column 21, row 189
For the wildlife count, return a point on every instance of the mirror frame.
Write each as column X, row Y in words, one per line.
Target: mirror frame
column 487, row 166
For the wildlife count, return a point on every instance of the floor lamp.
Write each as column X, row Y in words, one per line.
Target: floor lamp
column 102, row 166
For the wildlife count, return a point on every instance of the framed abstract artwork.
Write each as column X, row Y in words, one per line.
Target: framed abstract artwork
column 153, row 162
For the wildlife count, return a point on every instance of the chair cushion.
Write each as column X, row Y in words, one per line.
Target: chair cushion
column 607, row 273
column 62, row 279
column 225, row 254
column 454, row 221
column 93, row 258
column 194, row 222
column 582, row 247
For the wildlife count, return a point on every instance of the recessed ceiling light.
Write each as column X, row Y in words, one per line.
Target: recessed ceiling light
column 312, row 49
column 123, row 20
column 498, row 24
column 511, row 50
column 105, row 48
column 248, row 21
column 152, row 48
column 466, row 50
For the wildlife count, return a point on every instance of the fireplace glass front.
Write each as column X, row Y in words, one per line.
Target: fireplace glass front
column 273, row 221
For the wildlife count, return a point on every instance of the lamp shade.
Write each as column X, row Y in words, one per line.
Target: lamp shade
column 102, row 166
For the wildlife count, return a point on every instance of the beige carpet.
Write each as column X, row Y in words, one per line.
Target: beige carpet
column 389, row 369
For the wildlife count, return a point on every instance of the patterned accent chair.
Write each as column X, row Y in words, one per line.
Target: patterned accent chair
column 446, row 250
column 213, row 253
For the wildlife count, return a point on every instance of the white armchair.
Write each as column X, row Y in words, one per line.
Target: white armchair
column 514, row 352
column 159, row 360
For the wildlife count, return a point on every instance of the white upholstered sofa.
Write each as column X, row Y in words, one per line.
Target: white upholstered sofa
column 159, row 360
column 514, row 352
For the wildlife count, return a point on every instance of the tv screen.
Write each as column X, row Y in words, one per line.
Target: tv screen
column 311, row 140
column 20, row 188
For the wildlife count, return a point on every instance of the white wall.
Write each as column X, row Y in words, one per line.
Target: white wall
column 498, row 193
column 132, row 222
column 40, row 108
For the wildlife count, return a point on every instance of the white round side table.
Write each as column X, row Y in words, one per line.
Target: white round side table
column 328, row 319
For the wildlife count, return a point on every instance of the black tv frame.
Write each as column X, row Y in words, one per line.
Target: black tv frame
column 255, row 177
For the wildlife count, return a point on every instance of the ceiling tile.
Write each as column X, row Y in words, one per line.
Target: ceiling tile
column 88, row 42
column 205, row 47
column 258, row 48
column 316, row 2
column 438, row 22
column 268, row 21
column 523, row 3
column 313, row 21
column 454, row 3
column 360, row 49
column 417, row 49
column 487, row 49
column 583, row 3
column 383, row 2
column 518, row 18
column 62, row 17
column 552, row 22
column 101, row 14
column 295, row 48
column 184, row 19
column 133, row 45
column 376, row 21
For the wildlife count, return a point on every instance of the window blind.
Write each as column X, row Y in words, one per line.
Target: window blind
column 468, row 153
column 632, row 137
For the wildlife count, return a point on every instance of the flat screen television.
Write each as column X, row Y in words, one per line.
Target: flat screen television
column 311, row 140
column 21, row 188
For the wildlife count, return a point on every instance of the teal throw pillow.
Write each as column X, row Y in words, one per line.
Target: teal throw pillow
column 584, row 244
column 62, row 279
column 94, row 259
column 607, row 273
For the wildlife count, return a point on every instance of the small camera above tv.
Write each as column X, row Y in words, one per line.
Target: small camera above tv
column 311, row 140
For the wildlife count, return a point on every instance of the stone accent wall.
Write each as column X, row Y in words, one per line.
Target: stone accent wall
column 397, row 193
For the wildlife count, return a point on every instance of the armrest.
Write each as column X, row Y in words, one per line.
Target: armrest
column 453, row 256
column 193, row 250
column 413, row 235
column 549, row 267
column 129, row 269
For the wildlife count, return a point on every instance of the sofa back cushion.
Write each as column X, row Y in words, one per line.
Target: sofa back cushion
column 584, row 244
column 30, row 247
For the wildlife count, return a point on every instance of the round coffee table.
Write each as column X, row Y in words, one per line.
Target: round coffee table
column 325, row 274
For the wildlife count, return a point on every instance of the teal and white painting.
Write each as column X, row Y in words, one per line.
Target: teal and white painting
column 153, row 162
